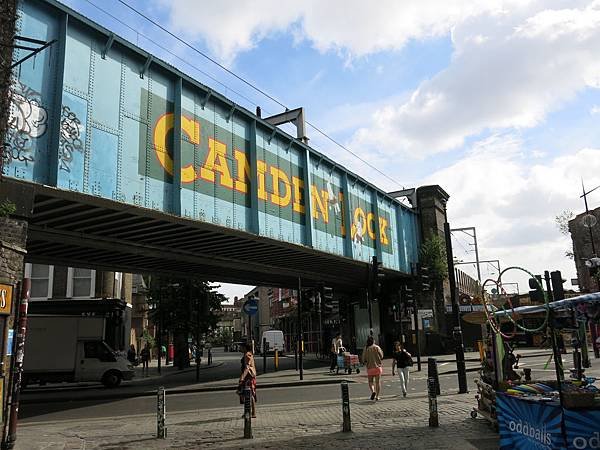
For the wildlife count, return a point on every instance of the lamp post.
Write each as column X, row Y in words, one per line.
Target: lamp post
column 457, row 332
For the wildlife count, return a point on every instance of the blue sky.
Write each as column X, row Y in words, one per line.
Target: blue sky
column 496, row 101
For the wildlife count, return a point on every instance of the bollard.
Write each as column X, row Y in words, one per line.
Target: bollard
column 276, row 360
column 433, row 411
column 346, row 424
column 296, row 355
column 432, row 371
column 527, row 373
column 209, row 357
column 247, row 409
column 264, row 349
column 161, row 412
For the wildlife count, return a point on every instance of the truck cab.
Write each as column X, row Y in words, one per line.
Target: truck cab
column 97, row 361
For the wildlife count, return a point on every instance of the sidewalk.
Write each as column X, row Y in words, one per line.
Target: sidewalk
column 393, row 422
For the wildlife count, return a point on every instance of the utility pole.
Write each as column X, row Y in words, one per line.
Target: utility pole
column 457, row 333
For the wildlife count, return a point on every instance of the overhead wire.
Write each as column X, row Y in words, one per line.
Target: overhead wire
column 252, row 86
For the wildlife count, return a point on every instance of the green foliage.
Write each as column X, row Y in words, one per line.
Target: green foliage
column 184, row 304
column 562, row 221
column 433, row 255
column 7, row 208
column 149, row 339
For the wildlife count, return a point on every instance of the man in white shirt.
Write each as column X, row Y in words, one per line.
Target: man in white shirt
column 336, row 344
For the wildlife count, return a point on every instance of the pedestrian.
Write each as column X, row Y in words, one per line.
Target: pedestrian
column 248, row 378
column 145, row 354
column 402, row 361
column 132, row 355
column 373, row 358
column 336, row 344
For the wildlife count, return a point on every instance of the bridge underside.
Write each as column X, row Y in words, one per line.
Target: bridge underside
column 74, row 229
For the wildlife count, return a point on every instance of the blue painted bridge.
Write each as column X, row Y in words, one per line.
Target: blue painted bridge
column 120, row 161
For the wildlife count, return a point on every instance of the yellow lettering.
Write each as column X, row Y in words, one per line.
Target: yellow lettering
column 216, row 161
column 243, row 171
column 320, row 201
column 262, row 170
column 383, row 224
column 298, row 184
column 280, row 176
column 165, row 123
column 370, row 225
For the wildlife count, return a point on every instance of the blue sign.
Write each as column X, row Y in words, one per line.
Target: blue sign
column 250, row 307
column 582, row 429
column 526, row 424
column 9, row 342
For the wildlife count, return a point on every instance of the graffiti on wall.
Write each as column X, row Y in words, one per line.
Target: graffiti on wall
column 27, row 120
column 70, row 138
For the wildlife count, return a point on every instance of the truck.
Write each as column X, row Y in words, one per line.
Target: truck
column 71, row 349
column 274, row 341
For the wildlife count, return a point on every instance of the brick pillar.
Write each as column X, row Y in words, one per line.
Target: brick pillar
column 13, row 235
column 430, row 204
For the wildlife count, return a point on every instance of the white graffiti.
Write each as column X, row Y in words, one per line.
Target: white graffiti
column 333, row 200
column 27, row 116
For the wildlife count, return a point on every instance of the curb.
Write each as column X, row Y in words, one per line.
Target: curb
column 46, row 390
column 152, row 393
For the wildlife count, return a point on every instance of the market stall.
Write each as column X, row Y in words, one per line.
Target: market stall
column 550, row 414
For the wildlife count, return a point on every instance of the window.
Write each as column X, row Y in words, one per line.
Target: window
column 81, row 283
column 41, row 280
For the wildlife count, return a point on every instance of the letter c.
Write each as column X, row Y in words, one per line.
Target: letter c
column 164, row 124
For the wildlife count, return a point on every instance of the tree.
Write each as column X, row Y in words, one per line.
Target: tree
column 562, row 223
column 433, row 255
column 184, row 307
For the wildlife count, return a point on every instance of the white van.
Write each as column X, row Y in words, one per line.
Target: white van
column 274, row 339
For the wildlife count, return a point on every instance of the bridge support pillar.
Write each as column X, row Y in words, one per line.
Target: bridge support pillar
column 13, row 235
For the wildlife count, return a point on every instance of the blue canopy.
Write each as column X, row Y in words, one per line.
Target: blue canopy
column 581, row 301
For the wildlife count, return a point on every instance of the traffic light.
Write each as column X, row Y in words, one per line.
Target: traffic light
column 308, row 301
column 557, row 285
column 327, row 302
column 407, row 296
column 377, row 276
column 537, row 292
column 423, row 278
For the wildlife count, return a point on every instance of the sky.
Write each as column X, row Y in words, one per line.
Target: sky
column 496, row 101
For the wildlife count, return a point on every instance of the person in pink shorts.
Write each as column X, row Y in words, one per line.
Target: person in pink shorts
column 373, row 358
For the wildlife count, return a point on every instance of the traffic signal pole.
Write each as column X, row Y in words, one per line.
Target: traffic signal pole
column 300, row 343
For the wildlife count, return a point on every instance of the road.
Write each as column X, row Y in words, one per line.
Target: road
column 78, row 409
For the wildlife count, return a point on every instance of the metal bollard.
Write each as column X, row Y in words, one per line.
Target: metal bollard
column 346, row 424
column 264, row 349
column 276, row 360
column 527, row 373
column 432, row 371
column 296, row 355
column 247, row 412
column 433, row 411
column 161, row 413
column 209, row 357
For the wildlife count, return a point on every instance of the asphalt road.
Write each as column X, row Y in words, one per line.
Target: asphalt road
column 76, row 409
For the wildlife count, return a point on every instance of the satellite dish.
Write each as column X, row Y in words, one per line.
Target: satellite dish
column 589, row 220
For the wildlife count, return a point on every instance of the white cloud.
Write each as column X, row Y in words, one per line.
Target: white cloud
column 513, row 203
column 595, row 110
column 507, row 71
column 351, row 27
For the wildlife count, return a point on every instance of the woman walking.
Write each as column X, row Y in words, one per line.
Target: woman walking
column 402, row 361
column 373, row 358
column 248, row 378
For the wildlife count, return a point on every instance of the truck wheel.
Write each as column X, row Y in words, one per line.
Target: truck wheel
column 112, row 379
